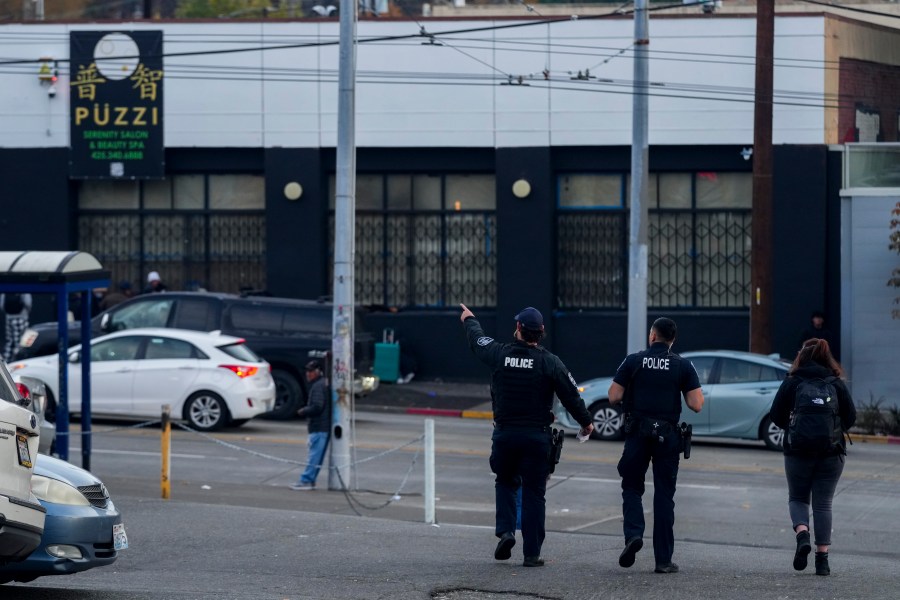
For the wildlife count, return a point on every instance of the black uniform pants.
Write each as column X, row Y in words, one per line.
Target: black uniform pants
column 639, row 451
column 519, row 456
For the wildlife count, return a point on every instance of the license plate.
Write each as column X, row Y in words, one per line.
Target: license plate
column 120, row 539
column 24, row 454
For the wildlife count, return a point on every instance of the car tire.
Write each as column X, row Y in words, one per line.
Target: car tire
column 771, row 434
column 206, row 411
column 608, row 421
column 288, row 396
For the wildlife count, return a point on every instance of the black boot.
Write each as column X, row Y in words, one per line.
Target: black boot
column 803, row 550
column 822, row 567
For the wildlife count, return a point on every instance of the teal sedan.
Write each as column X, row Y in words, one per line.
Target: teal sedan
column 738, row 388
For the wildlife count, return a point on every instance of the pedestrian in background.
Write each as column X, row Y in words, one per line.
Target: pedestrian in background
column 154, row 284
column 654, row 382
column 17, row 308
column 814, row 392
column 817, row 330
column 318, row 423
column 120, row 294
column 524, row 377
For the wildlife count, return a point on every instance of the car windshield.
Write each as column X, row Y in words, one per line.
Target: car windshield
column 240, row 351
column 151, row 313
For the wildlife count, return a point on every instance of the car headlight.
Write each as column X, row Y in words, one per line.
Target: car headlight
column 53, row 490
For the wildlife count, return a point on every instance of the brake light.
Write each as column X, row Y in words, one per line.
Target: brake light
column 24, row 391
column 240, row 370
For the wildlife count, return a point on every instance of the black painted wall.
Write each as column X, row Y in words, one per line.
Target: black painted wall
column 36, row 200
column 296, row 230
column 526, row 253
column 802, row 237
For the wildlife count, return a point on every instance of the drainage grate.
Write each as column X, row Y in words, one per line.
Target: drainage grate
column 466, row 594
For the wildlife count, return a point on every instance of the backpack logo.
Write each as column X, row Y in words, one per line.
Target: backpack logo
column 815, row 425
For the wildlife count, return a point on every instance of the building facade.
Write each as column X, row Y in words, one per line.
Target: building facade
column 492, row 169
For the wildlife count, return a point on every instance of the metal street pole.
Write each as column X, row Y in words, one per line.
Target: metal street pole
column 637, row 238
column 344, row 255
column 762, row 290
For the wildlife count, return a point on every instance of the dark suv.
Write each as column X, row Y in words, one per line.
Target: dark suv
column 283, row 331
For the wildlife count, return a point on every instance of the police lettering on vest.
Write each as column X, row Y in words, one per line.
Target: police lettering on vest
column 520, row 363
column 654, row 362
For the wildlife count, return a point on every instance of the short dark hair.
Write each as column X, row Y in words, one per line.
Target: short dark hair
column 665, row 329
column 531, row 336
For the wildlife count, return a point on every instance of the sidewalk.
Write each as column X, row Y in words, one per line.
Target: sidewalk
column 437, row 398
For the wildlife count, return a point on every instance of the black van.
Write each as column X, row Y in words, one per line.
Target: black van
column 283, row 331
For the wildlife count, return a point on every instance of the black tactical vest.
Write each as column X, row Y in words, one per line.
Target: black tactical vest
column 521, row 393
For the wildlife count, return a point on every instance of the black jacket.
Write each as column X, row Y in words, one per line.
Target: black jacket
column 524, row 379
column 783, row 404
column 318, row 408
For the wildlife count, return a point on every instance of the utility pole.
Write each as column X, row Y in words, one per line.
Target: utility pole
column 637, row 238
column 761, row 297
column 344, row 254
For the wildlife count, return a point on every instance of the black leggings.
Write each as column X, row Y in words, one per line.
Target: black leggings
column 810, row 476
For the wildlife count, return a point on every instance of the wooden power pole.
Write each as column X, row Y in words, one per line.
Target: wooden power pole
column 761, row 292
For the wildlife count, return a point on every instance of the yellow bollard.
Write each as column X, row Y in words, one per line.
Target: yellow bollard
column 166, row 447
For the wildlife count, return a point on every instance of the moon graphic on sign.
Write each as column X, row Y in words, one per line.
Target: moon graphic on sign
column 116, row 56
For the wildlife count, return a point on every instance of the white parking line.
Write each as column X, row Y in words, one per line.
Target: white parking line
column 75, row 450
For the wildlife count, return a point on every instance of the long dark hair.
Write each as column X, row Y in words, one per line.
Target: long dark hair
column 817, row 351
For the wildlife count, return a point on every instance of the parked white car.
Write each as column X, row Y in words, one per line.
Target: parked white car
column 21, row 515
column 210, row 380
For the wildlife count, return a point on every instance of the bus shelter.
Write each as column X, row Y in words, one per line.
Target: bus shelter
column 61, row 274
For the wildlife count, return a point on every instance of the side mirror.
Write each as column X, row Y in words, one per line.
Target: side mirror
column 75, row 357
column 104, row 323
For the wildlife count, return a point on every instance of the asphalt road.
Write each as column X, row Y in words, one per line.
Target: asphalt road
column 234, row 530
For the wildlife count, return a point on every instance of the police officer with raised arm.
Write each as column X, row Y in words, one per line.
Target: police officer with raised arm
column 652, row 383
column 524, row 377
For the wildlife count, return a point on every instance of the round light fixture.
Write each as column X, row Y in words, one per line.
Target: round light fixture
column 293, row 190
column 521, row 188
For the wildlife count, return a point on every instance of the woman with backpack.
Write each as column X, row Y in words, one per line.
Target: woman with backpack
column 814, row 407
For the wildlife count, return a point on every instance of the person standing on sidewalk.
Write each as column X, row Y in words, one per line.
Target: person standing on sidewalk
column 654, row 381
column 524, row 377
column 17, row 308
column 813, row 471
column 318, row 414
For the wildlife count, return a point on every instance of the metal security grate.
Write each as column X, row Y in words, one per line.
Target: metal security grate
column 696, row 258
column 96, row 495
column 424, row 259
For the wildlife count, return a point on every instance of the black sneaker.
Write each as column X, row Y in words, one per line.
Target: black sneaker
column 803, row 550
column 666, row 568
column 504, row 546
column 533, row 561
column 822, row 567
column 632, row 546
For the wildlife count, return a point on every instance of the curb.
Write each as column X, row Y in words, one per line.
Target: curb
column 446, row 412
column 874, row 439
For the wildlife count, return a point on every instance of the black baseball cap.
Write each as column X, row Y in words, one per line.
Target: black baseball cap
column 531, row 318
column 313, row 365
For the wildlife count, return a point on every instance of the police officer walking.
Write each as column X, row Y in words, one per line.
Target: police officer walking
column 524, row 377
column 652, row 383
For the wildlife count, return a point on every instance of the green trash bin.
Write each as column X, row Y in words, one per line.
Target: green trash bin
column 387, row 358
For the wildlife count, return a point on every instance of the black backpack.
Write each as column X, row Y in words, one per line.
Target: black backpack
column 12, row 304
column 815, row 425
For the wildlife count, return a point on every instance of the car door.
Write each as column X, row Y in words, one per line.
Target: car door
column 700, row 421
column 113, row 362
column 165, row 374
column 743, row 396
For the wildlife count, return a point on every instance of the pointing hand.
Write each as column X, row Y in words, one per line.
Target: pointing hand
column 466, row 313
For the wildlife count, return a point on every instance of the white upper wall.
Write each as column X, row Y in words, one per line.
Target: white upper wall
column 411, row 94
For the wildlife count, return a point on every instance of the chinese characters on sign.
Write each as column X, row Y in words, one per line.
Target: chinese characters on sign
column 116, row 105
